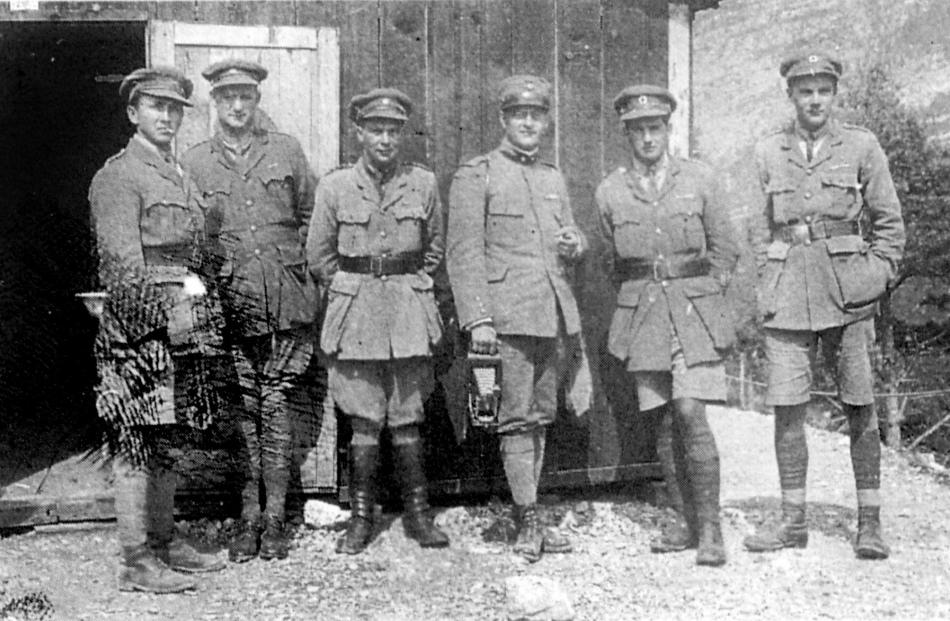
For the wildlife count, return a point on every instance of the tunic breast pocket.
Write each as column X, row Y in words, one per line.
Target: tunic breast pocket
column 843, row 190
column 213, row 202
column 631, row 238
column 505, row 222
column 168, row 221
column 278, row 181
column 781, row 194
column 687, row 217
column 353, row 234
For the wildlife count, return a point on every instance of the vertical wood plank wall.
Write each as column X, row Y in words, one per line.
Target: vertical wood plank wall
column 449, row 56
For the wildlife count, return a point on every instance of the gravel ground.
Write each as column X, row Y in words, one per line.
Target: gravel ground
column 70, row 573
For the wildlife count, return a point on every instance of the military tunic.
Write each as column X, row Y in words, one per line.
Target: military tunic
column 259, row 210
column 506, row 208
column 379, row 329
column 685, row 221
column 834, row 281
column 148, row 224
column 370, row 317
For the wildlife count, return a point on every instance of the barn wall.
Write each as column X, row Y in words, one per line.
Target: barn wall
column 449, row 55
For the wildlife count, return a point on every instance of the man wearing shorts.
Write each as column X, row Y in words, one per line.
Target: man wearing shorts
column 821, row 272
column 673, row 250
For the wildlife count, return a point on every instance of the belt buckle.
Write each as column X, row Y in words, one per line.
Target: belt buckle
column 800, row 233
column 376, row 265
column 660, row 270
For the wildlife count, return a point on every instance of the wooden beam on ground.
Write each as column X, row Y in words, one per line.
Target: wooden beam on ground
column 26, row 511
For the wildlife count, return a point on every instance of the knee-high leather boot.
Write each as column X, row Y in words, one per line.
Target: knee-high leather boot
column 359, row 530
column 412, row 479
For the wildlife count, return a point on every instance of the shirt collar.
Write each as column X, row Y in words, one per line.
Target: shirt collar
column 804, row 134
column 646, row 170
column 519, row 155
column 153, row 149
column 380, row 176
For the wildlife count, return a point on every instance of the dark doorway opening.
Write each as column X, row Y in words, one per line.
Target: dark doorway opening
column 60, row 119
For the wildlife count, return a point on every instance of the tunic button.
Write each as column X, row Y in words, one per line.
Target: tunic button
column 656, row 204
column 664, row 283
column 257, row 251
column 383, row 277
column 382, row 233
column 253, row 228
column 248, row 202
column 807, row 195
column 659, row 230
column 807, row 218
column 810, row 171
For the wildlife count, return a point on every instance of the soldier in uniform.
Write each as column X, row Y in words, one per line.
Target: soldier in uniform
column 673, row 253
column 511, row 244
column 259, row 191
column 828, row 239
column 148, row 225
column 375, row 241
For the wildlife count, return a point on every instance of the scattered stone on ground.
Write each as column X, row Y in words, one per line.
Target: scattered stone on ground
column 533, row 598
column 610, row 576
column 320, row 514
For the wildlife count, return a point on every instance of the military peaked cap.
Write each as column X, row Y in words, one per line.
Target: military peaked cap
column 644, row 101
column 381, row 103
column 164, row 82
column 524, row 90
column 233, row 72
column 813, row 63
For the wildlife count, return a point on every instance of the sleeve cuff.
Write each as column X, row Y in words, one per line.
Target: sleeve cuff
column 484, row 321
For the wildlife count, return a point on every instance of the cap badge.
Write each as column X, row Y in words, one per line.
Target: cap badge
column 643, row 100
column 813, row 59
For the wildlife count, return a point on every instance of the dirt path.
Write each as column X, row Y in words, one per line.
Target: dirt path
column 611, row 575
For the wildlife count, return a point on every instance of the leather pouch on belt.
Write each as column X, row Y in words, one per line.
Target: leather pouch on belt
column 862, row 276
column 767, row 293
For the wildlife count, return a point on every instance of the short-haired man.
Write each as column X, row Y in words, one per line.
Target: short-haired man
column 258, row 189
column 511, row 243
column 375, row 241
column 148, row 226
column 820, row 275
column 672, row 252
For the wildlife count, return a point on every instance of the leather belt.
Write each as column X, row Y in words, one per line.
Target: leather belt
column 661, row 269
column 383, row 265
column 807, row 232
column 180, row 254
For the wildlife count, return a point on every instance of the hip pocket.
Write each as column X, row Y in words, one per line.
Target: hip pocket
column 861, row 276
column 343, row 290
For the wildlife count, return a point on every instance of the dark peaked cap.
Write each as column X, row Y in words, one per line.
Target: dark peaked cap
column 164, row 82
column 381, row 103
column 812, row 63
column 234, row 71
column 644, row 101
column 524, row 90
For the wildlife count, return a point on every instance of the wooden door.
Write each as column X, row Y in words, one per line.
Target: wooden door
column 302, row 90
column 301, row 96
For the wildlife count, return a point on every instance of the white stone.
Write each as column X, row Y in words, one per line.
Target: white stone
column 319, row 514
column 534, row 598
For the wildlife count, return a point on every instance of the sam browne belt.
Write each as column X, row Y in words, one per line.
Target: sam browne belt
column 807, row 232
column 661, row 269
column 383, row 265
